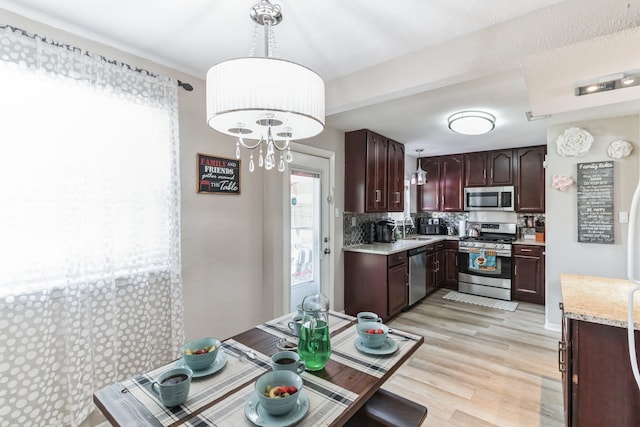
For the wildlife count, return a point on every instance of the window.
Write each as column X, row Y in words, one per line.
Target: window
column 89, row 226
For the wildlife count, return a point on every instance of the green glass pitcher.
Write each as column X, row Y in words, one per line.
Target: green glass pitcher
column 314, row 346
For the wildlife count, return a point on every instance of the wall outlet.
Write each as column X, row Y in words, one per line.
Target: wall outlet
column 623, row 217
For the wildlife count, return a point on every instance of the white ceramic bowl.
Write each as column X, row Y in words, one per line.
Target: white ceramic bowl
column 198, row 362
column 278, row 405
column 372, row 340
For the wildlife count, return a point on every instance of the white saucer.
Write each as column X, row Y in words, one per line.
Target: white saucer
column 389, row 347
column 257, row 415
column 218, row 363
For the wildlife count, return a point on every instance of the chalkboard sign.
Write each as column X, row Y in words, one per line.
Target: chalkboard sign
column 595, row 202
column 218, row 175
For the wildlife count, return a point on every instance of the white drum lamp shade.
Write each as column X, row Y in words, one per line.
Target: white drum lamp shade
column 242, row 92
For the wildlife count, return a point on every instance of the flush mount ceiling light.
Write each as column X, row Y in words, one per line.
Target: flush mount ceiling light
column 419, row 177
column 268, row 100
column 472, row 122
column 607, row 83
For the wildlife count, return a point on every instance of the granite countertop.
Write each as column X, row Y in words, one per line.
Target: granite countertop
column 601, row 300
column 528, row 242
column 398, row 246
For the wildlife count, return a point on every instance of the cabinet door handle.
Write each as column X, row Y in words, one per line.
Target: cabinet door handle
column 515, row 270
column 397, row 197
column 525, row 250
column 484, row 173
column 378, row 193
column 561, row 362
column 491, row 174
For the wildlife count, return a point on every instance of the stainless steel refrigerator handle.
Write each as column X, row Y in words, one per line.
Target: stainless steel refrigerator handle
column 631, row 247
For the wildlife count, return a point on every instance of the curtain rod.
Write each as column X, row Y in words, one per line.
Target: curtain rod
column 184, row 85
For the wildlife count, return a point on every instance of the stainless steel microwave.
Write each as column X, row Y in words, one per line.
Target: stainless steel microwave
column 489, row 199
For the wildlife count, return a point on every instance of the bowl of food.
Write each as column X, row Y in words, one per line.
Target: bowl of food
column 287, row 344
column 278, row 391
column 372, row 334
column 201, row 353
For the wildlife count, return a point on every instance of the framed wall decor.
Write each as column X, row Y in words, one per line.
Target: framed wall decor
column 595, row 202
column 218, row 175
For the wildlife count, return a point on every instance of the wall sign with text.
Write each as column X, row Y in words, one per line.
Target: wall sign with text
column 595, row 202
column 218, row 175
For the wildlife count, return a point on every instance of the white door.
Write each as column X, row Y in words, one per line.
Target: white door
column 309, row 201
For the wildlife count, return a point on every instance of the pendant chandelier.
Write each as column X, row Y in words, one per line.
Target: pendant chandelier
column 419, row 177
column 268, row 100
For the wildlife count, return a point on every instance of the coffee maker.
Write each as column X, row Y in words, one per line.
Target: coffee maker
column 384, row 231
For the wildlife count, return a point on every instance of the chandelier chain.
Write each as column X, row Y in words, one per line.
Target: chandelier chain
column 254, row 40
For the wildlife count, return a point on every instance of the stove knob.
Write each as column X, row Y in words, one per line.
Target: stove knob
column 499, row 246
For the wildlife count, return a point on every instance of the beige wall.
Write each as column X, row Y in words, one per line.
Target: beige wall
column 564, row 253
column 224, row 237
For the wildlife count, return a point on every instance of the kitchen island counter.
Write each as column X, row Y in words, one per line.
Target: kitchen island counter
column 602, row 300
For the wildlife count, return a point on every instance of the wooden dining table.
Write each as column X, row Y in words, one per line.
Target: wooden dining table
column 335, row 393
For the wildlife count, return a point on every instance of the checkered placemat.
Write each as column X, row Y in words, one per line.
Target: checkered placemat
column 344, row 351
column 326, row 402
column 280, row 326
column 235, row 373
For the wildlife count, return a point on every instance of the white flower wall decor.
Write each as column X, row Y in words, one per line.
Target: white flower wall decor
column 619, row 149
column 574, row 142
column 562, row 182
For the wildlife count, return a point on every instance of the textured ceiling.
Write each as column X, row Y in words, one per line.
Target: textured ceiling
column 396, row 67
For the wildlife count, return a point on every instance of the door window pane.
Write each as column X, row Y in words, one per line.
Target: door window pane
column 304, row 227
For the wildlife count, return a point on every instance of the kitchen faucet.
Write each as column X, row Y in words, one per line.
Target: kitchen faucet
column 404, row 232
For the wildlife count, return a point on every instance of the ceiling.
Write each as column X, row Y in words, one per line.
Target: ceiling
column 414, row 62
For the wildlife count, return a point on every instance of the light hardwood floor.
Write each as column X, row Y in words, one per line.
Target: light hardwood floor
column 481, row 366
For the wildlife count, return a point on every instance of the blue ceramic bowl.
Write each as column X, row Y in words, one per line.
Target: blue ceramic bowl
column 372, row 340
column 278, row 405
column 198, row 362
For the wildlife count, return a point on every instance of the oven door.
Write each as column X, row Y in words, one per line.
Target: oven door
column 478, row 265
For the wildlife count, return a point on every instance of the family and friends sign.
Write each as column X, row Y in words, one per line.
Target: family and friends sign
column 218, row 175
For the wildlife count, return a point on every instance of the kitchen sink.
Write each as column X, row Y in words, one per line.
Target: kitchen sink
column 418, row 238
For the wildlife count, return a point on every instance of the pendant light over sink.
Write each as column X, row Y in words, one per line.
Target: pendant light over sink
column 268, row 100
column 419, row 177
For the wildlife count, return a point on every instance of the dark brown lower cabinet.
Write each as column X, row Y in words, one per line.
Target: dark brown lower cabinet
column 598, row 384
column 528, row 281
column 377, row 283
column 450, row 264
column 397, row 292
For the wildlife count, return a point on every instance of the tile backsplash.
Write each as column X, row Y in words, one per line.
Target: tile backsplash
column 354, row 223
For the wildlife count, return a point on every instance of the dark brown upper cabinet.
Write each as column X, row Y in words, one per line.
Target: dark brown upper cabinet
column 489, row 168
column 443, row 190
column 374, row 173
column 530, row 184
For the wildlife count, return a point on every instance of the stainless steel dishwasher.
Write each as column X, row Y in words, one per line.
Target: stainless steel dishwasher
column 417, row 274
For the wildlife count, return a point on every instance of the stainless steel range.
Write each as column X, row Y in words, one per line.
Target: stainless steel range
column 484, row 260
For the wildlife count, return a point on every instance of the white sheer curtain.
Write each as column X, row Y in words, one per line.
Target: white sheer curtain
column 90, row 283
